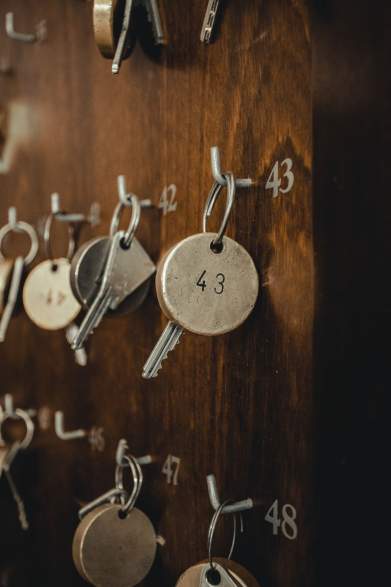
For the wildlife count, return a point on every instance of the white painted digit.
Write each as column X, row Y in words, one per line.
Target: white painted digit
column 171, row 469
column 287, row 524
column 274, row 182
column 167, row 200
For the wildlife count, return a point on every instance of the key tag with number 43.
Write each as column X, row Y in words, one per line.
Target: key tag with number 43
column 47, row 294
column 115, row 543
column 218, row 571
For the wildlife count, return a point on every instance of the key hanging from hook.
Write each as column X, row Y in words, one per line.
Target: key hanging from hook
column 37, row 37
column 218, row 174
column 232, row 507
column 123, row 451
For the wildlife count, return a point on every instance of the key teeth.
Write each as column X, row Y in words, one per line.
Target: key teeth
column 146, row 375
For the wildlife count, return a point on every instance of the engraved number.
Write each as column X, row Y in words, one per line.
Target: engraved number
column 167, row 200
column 171, row 469
column 202, row 283
column 50, row 298
column 220, row 277
column 288, row 523
column 274, row 182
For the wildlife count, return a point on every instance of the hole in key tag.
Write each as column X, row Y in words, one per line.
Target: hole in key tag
column 229, row 573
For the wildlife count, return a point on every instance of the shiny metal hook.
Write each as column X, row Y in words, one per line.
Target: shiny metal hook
column 219, row 176
column 39, row 35
column 234, row 507
column 15, row 225
column 46, row 238
column 62, row 433
column 123, row 450
column 134, row 220
column 125, row 196
column 93, row 217
column 210, row 202
column 212, row 528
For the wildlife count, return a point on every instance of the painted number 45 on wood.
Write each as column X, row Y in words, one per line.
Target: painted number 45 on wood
column 287, row 524
column 276, row 183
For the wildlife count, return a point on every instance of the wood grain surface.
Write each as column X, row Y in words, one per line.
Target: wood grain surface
column 240, row 405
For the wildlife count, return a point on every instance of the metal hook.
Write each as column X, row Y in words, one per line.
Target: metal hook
column 218, row 174
column 60, row 431
column 232, row 508
column 123, row 451
column 93, row 217
column 125, row 197
column 39, row 35
column 15, row 225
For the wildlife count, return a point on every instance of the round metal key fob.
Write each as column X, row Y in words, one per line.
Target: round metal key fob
column 225, row 573
column 114, row 551
column 207, row 284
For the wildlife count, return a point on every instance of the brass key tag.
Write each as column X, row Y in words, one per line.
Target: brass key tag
column 225, row 573
column 112, row 550
column 47, row 295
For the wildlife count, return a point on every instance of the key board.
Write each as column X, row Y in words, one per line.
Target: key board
column 284, row 408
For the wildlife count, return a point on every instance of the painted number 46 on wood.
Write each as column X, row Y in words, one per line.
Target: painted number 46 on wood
column 284, row 520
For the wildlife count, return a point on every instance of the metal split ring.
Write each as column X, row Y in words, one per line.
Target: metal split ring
column 137, row 478
column 134, row 203
column 211, row 201
column 21, row 227
column 19, row 414
column 212, row 528
column 46, row 238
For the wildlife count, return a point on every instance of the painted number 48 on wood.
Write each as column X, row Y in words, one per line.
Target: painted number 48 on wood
column 287, row 524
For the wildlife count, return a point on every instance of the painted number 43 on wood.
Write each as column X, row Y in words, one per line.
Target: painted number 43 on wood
column 281, row 178
column 287, row 524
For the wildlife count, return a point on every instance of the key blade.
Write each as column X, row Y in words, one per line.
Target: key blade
column 122, row 38
column 156, row 21
column 12, row 297
column 91, row 320
column 166, row 343
column 209, row 21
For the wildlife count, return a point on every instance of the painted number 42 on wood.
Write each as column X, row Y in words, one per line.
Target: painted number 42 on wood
column 281, row 178
column 287, row 524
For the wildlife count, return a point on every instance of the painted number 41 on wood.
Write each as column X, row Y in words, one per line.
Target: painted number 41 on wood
column 287, row 524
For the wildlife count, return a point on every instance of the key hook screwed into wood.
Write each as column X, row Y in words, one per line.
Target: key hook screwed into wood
column 123, row 451
column 93, row 217
column 39, row 35
column 232, row 507
column 219, row 175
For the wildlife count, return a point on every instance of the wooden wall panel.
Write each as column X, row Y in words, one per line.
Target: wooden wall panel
column 238, row 405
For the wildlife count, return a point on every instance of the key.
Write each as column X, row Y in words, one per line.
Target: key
column 88, row 265
column 225, row 573
column 118, row 282
column 123, row 38
column 47, row 295
column 154, row 18
column 5, row 276
column 13, row 296
column 114, row 551
column 209, row 21
column 81, row 357
column 203, row 291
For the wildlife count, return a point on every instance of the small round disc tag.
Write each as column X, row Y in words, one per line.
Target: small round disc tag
column 109, row 551
column 227, row 570
column 47, row 295
column 206, row 292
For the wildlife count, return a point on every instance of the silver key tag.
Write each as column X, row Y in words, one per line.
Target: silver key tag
column 13, row 296
column 114, row 551
column 88, row 265
column 226, row 573
column 47, row 295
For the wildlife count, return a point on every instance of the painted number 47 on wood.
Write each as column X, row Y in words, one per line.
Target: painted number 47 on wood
column 171, row 469
column 276, row 183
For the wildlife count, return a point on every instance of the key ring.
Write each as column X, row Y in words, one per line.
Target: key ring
column 21, row 227
column 212, row 528
column 46, row 238
column 19, row 414
column 137, row 477
column 210, row 202
column 134, row 220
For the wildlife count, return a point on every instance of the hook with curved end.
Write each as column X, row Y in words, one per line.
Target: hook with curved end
column 232, row 507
